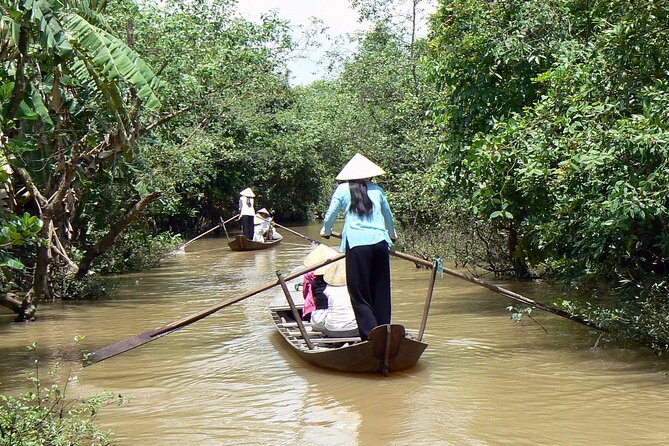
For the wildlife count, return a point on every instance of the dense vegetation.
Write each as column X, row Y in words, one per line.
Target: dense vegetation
column 555, row 119
column 524, row 138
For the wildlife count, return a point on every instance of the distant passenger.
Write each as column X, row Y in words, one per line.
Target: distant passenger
column 331, row 313
column 262, row 226
column 247, row 212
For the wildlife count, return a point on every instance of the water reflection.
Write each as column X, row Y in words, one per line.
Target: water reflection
column 229, row 379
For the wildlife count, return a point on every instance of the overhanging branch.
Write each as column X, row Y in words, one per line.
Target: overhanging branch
column 114, row 232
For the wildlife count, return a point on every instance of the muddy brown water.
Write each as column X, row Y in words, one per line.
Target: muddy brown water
column 230, row 380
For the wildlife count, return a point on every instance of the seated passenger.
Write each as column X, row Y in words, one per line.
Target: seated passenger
column 333, row 314
column 262, row 226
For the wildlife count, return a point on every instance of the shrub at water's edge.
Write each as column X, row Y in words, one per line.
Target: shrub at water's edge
column 44, row 416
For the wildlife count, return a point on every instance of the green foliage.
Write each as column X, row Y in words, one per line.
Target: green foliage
column 517, row 312
column 73, row 94
column 485, row 55
column 571, row 166
column 225, row 80
column 104, row 56
column 639, row 312
column 555, row 126
column 44, row 416
column 68, row 35
column 16, row 232
column 137, row 250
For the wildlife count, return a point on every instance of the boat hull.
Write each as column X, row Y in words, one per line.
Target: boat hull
column 387, row 350
column 241, row 243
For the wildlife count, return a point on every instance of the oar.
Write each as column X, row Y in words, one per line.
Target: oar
column 155, row 333
column 293, row 232
column 497, row 289
column 207, row 232
column 226, row 230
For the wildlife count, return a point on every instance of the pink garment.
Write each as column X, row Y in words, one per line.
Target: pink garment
column 308, row 294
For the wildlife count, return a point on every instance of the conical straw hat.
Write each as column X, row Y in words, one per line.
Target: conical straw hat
column 358, row 168
column 335, row 273
column 247, row 193
column 261, row 216
column 322, row 252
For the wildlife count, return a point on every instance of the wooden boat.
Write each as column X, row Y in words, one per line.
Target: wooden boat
column 389, row 347
column 241, row 243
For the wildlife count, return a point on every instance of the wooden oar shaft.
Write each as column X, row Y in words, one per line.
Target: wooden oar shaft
column 208, row 231
column 498, row 289
column 155, row 333
column 296, row 314
column 293, row 232
column 426, row 307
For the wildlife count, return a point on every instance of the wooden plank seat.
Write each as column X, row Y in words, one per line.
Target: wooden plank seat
column 285, row 307
column 292, row 324
column 317, row 336
column 334, row 340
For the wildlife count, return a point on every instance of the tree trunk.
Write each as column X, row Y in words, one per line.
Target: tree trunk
column 114, row 232
column 519, row 265
column 40, row 287
column 24, row 309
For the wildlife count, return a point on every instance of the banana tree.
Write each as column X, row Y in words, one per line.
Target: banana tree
column 75, row 97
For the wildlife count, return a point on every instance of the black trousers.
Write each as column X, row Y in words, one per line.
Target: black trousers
column 247, row 226
column 368, row 282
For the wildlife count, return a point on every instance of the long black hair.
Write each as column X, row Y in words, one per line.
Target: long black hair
column 361, row 204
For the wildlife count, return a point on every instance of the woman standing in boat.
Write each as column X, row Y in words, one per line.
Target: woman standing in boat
column 368, row 234
column 247, row 212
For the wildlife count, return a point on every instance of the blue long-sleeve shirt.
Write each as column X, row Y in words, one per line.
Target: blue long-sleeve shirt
column 359, row 230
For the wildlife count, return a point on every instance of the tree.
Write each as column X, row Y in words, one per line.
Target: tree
column 74, row 95
column 566, row 152
column 230, row 78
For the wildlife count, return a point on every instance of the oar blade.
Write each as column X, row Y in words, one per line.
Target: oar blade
column 118, row 348
column 155, row 333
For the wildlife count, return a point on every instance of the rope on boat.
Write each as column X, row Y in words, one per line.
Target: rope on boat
column 438, row 266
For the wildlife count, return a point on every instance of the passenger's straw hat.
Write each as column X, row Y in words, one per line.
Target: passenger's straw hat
column 334, row 273
column 247, row 193
column 261, row 216
column 358, row 168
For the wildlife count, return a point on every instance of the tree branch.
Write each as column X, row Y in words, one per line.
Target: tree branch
column 20, row 82
column 57, row 246
column 10, row 301
column 163, row 120
column 27, row 180
column 114, row 232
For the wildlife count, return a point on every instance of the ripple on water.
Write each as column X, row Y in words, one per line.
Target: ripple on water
column 229, row 379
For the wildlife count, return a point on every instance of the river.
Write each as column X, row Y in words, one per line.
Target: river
column 229, row 379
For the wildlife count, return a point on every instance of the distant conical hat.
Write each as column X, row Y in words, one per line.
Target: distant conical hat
column 261, row 216
column 247, row 193
column 358, row 168
column 322, row 252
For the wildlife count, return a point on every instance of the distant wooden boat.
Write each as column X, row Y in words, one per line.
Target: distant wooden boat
column 389, row 347
column 241, row 243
